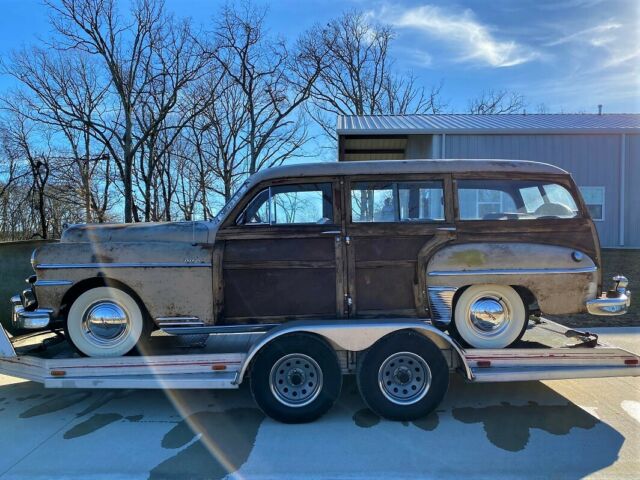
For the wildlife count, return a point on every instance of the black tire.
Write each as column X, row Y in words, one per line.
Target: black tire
column 387, row 358
column 305, row 366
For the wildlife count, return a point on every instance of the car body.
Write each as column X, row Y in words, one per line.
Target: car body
column 375, row 239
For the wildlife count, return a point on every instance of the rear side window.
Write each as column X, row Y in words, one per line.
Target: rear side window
column 397, row 202
column 514, row 200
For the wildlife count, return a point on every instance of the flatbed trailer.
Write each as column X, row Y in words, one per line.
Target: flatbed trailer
column 548, row 351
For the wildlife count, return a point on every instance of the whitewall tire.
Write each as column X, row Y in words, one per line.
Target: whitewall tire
column 490, row 316
column 105, row 322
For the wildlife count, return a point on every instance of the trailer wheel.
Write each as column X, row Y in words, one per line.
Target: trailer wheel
column 106, row 322
column 403, row 376
column 296, row 378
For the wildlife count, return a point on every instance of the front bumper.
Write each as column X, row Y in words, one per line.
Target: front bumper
column 614, row 302
column 29, row 319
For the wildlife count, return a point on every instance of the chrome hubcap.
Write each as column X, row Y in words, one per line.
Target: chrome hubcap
column 404, row 378
column 296, row 380
column 489, row 315
column 105, row 323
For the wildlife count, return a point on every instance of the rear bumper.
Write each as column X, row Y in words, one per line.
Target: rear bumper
column 29, row 319
column 610, row 306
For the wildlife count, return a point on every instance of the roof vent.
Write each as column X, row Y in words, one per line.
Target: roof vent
column 600, row 109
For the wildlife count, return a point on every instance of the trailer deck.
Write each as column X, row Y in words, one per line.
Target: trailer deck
column 547, row 351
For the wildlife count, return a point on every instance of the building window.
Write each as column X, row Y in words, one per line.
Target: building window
column 594, row 198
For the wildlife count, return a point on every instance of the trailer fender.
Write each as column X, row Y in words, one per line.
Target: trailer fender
column 355, row 335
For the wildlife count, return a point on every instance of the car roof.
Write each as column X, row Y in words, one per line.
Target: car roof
column 375, row 167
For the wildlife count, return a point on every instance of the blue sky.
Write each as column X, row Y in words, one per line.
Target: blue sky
column 568, row 54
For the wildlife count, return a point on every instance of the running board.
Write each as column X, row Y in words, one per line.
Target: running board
column 513, row 365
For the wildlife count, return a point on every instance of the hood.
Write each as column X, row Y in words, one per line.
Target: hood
column 188, row 232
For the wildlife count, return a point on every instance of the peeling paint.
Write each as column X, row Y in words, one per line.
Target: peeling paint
column 468, row 258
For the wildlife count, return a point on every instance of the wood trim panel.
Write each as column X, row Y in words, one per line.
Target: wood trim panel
column 275, row 264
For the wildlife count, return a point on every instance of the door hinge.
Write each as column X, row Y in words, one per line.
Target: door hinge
column 348, row 303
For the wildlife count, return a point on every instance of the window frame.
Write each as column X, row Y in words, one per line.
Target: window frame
column 564, row 181
column 232, row 220
column 603, row 189
column 394, row 180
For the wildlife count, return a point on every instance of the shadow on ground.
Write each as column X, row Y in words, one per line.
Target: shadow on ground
column 508, row 429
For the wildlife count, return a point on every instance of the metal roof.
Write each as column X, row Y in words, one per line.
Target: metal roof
column 482, row 124
column 402, row 166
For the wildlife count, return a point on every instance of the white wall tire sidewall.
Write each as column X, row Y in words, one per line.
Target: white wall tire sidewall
column 506, row 337
column 90, row 297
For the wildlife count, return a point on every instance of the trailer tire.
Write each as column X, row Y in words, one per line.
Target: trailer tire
column 403, row 376
column 92, row 336
column 296, row 378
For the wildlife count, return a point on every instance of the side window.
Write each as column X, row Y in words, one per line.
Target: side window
column 397, row 202
column 308, row 203
column 514, row 200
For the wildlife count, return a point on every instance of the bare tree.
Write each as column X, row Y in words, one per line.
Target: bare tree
column 497, row 101
column 275, row 81
column 153, row 52
column 358, row 78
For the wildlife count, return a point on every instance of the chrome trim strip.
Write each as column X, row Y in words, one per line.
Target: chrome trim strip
column 441, row 301
column 53, row 266
column 220, row 329
column 513, row 271
column 165, row 322
column 52, row 283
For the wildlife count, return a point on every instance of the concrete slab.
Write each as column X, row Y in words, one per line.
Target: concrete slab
column 567, row 429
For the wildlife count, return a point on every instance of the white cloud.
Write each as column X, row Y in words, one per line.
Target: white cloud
column 597, row 36
column 473, row 41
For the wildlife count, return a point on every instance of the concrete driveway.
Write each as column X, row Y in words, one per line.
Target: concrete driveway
column 557, row 429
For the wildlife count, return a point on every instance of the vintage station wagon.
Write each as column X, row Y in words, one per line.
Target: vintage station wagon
column 473, row 246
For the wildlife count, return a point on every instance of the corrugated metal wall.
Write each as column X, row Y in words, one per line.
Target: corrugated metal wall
column 593, row 160
column 632, row 191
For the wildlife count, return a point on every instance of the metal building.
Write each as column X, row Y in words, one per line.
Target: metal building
column 602, row 152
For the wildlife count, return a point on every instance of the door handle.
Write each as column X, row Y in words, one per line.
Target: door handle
column 331, row 232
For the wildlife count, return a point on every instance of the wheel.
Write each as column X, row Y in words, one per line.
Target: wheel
column 489, row 316
column 403, row 376
column 296, row 378
column 106, row 322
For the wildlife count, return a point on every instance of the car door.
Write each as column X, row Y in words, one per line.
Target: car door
column 393, row 224
column 282, row 254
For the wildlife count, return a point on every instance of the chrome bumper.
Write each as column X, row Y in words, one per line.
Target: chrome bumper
column 615, row 302
column 29, row 320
